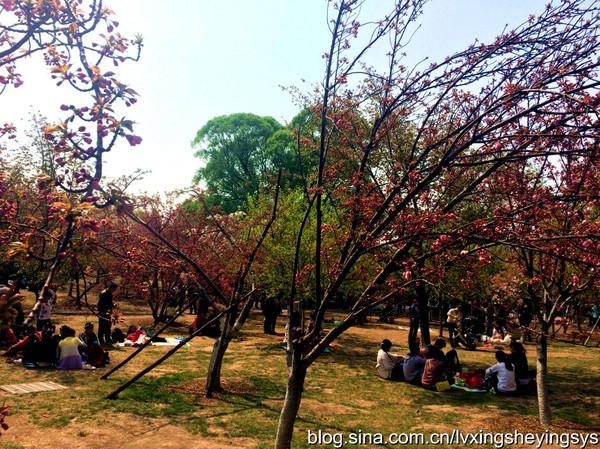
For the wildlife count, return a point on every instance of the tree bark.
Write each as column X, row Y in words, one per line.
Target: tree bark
column 213, row 378
column 62, row 247
column 541, row 377
column 441, row 317
column 291, row 404
column 423, row 303
column 77, row 292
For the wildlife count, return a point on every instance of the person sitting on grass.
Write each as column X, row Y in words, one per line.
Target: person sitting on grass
column 136, row 335
column 450, row 358
column 45, row 353
column 435, row 369
column 7, row 337
column 389, row 366
column 92, row 352
column 523, row 376
column 413, row 364
column 68, row 350
column 26, row 347
column 501, row 376
column 88, row 336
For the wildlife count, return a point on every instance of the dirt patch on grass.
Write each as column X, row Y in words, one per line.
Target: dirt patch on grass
column 120, row 432
column 324, row 408
column 363, row 403
column 442, row 408
column 235, row 385
column 327, row 407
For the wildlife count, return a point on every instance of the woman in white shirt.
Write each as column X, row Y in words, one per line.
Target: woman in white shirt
column 501, row 376
column 389, row 366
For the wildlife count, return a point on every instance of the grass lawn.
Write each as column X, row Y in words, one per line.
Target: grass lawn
column 343, row 394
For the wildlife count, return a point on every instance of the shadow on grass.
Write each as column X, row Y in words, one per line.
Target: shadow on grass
column 344, row 377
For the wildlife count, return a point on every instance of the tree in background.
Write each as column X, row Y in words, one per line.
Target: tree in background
column 241, row 155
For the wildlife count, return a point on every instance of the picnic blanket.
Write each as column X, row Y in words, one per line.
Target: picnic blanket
column 33, row 387
column 171, row 341
column 470, row 390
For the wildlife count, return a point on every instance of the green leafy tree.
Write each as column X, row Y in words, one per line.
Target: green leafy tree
column 238, row 159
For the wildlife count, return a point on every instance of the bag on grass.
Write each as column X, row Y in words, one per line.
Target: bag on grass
column 442, row 386
column 472, row 379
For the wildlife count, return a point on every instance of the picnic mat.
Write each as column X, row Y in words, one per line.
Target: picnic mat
column 33, row 387
column 171, row 341
column 470, row 390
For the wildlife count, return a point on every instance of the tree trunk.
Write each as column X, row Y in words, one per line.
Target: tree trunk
column 62, row 247
column 291, row 404
column 78, row 292
column 423, row 303
column 213, row 378
column 441, row 317
column 541, row 377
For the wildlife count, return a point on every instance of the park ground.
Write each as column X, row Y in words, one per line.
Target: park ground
column 167, row 410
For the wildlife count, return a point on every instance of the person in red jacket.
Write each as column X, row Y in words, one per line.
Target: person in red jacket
column 26, row 345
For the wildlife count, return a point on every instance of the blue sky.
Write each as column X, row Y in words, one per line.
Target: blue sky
column 204, row 58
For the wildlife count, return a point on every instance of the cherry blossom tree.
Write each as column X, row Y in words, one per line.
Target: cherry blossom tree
column 480, row 109
column 77, row 40
column 550, row 220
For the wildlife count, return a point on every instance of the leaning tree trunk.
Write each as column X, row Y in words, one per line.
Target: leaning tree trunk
column 541, row 376
column 291, row 404
column 213, row 378
column 230, row 329
column 61, row 248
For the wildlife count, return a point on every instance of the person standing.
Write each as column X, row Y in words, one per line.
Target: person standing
column 105, row 307
column 594, row 314
column 43, row 309
column 453, row 320
column 413, row 315
column 271, row 310
column 525, row 317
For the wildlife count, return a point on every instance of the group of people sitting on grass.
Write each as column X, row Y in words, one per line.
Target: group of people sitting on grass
column 46, row 349
column 435, row 370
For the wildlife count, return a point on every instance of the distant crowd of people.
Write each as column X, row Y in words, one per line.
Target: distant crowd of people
column 34, row 343
column 433, row 369
column 471, row 323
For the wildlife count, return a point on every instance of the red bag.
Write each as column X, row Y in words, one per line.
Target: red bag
column 472, row 379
